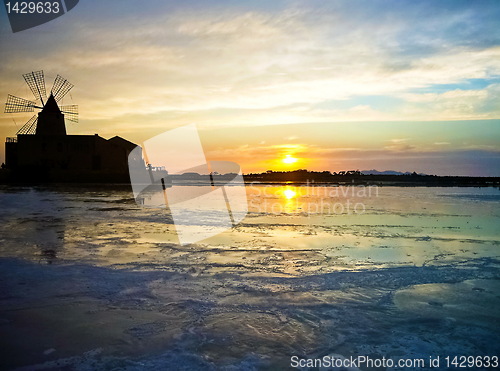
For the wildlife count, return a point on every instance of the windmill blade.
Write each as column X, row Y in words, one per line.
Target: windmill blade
column 29, row 127
column 15, row 104
column 60, row 88
column 70, row 112
column 36, row 82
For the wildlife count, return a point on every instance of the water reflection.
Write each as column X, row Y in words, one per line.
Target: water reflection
column 289, row 193
column 48, row 256
column 291, row 200
column 261, row 288
column 48, row 235
column 399, row 226
column 33, row 224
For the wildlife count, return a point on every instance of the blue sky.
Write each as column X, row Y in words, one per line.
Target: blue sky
column 141, row 68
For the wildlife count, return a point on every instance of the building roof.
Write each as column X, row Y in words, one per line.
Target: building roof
column 119, row 141
column 51, row 106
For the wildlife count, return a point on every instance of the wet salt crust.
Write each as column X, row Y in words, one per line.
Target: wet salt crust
column 89, row 280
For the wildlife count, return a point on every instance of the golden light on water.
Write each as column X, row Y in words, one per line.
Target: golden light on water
column 289, row 193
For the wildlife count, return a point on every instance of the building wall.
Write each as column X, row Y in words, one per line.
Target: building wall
column 71, row 157
column 11, row 152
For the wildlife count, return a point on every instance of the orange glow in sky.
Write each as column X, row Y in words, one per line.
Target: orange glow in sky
column 418, row 105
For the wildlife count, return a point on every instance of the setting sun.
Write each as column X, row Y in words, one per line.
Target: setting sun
column 289, row 159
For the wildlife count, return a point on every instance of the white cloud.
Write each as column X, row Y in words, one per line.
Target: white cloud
column 265, row 67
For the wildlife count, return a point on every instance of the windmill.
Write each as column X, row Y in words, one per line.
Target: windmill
column 50, row 120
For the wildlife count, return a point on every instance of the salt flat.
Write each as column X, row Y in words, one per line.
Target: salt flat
column 91, row 280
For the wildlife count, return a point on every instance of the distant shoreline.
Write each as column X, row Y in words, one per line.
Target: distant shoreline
column 295, row 178
column 387, row 180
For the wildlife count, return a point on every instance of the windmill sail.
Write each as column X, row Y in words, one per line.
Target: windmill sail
column 60, row 88
column 36, row 83
column 15, row 104
column 29, row 127
column 70, row 112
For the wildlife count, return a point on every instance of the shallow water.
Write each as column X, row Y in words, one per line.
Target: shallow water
column 89, row 279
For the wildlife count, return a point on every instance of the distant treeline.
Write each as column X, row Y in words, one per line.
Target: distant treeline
column 351, row 177
column 358, row 178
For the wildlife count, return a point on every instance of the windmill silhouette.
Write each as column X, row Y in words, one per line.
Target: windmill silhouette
column 42, row 151
column 50, row 120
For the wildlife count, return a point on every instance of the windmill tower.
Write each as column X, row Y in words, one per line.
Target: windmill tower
column 50, row 120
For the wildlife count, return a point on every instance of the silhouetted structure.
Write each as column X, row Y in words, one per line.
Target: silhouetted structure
column 355, row 177
column 42, row 151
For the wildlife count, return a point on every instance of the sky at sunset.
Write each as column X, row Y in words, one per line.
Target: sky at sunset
column 335, row 85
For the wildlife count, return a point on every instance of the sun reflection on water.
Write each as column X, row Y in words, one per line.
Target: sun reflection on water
column 289, row 193
column 290, row 197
